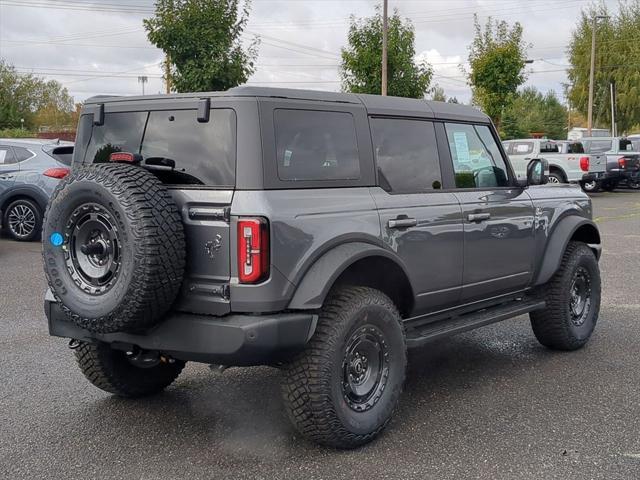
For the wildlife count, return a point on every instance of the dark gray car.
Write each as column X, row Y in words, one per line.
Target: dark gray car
column 30, row 169
column 322, row 233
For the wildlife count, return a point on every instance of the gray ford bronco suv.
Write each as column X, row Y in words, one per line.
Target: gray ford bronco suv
column 320, row 233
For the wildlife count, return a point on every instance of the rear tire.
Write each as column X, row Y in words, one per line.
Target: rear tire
column 590, row 187
column 573, row 301
column 23, row 220
column 110, row 370
column 555, row 177
column 341, row 391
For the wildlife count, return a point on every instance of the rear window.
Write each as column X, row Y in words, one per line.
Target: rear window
column 575, row 147
column 63, row 155
column 173, row 144
column 598, row 146
column 522, row 148
column 549, row 147
column 316, row 145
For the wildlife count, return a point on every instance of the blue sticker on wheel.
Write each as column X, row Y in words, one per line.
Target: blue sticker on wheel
column 56, row 239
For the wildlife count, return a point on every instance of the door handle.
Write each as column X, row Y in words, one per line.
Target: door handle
column 478, row 217
column 402, row 222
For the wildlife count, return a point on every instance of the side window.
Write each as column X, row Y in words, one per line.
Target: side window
column 6, row 155
column 508, row 147
column 549, row 147
column 316, row 145
column 406, row 155
column 477, row 162
column 522, row 148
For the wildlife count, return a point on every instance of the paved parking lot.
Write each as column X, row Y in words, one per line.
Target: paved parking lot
column 489, row 404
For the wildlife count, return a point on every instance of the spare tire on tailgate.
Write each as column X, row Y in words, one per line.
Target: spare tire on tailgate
column 113, row 248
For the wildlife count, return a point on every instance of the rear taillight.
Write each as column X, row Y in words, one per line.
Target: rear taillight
column 253, row 250
column 56, row 172
column 125, row 157
column 622, row 162
column 584, row 164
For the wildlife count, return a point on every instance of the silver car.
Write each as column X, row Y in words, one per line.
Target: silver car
column 30, row 169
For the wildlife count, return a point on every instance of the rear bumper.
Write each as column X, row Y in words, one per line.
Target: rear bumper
column 230, row 340
column 593, row 176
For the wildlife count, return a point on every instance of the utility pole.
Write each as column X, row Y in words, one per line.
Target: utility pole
column 614, row 132
column 143, row 79
column 385, row 28
column 592, row 72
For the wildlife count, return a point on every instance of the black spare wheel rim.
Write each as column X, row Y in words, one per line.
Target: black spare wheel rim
column 22, row 220
column 93, row 257
column 365, row 368
column 580, row 299
column 113, row 248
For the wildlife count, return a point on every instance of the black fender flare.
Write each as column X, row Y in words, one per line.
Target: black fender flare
column 28, row 191
column 321, row 276
column 557, row 243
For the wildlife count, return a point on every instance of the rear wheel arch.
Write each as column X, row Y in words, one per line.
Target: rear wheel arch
column 570, row 228
column 558, row 170
column 354, row 263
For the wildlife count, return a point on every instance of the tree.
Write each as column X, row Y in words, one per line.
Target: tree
column 202, row 41
column 531, row 111
column 24, row 97
column 617, row 60
column 361, row 68
column 497, row 59
column 437, row 94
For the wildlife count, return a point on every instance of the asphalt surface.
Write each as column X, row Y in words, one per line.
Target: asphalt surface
column 489, row 404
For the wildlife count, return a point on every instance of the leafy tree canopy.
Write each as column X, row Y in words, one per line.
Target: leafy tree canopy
column 24, row 96
column 497, row 59
column 617, row 60
column 202, row 40
column 531, row 111
column 361, row 68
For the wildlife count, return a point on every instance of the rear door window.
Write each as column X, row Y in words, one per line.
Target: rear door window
column 406, row 155
column 6, row 155
column 316, row 145
column 21, row 154
column 121, row 132
column 522, row 148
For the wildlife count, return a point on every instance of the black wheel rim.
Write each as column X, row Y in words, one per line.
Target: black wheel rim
column 22, row 220
column 580, row 300
column 92, row 248
column 365, row 368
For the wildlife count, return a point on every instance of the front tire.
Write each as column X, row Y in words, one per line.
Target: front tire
column 110, row 370
column 341, row 391
column 23, row 220
column 573, row 301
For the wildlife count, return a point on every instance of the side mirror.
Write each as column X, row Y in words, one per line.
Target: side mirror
column 536, row 171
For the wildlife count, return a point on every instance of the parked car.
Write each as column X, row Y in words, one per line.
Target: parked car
column 568, row 163
column 324, row 233
column 623, row 160
column 29, row 171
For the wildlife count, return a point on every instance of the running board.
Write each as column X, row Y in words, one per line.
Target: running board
column 421, row 334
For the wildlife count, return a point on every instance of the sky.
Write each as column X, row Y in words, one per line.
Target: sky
column 94, row 47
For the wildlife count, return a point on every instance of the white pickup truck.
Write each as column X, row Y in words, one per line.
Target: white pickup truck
column 567, row 161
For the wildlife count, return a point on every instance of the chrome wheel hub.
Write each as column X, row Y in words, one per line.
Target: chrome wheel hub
column 22, row 220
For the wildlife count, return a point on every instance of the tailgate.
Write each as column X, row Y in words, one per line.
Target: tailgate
column 205, row 215
column 631, row 162
column 597, row 163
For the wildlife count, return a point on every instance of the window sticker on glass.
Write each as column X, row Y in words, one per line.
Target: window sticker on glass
column 3, row 155
column 462, row 146
column 522, row 148
column 287, row 158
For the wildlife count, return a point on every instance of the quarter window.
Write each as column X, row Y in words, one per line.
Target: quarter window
column 21, row 154
column 477, row 162
column 316, row 145
column 406, row 155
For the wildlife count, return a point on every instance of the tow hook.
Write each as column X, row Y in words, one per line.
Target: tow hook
column 147, row 359
column 73, row 344
column 218, row 368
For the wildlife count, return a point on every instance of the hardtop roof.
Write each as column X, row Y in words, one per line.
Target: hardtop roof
column 375, row 104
